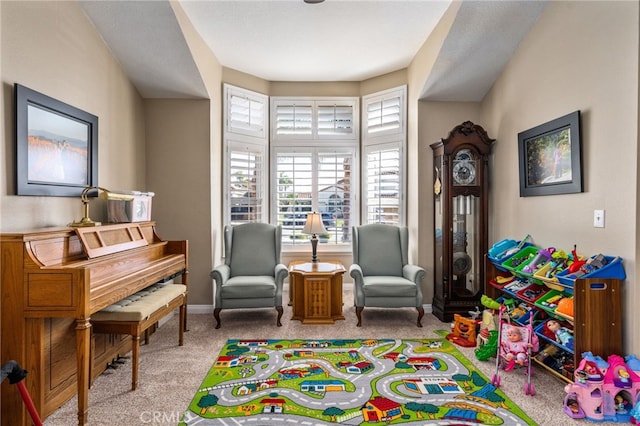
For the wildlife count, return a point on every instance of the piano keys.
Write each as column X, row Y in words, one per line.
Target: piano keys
column 53, row 279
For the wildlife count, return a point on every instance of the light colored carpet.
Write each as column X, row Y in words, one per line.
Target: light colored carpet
column 169, row 375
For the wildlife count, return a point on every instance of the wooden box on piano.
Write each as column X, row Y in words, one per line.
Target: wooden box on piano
column 53, row 279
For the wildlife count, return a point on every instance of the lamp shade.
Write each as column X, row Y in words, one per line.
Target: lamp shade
column 314, row 224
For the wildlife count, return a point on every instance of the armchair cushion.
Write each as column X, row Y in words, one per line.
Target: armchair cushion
column 389, row 286
column 254, row 286
column 375, row 255
column 253, row 249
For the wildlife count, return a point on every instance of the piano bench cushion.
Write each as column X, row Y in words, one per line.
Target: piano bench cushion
column 142, row 304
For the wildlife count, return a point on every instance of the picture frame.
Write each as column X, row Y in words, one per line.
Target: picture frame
column 56, row 146
column 550, row 158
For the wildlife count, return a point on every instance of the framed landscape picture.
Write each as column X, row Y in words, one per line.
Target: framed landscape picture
column 56, row 146
column 550, row 157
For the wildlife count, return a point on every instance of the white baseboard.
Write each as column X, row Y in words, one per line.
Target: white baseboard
column 200, row 309
column 208, row 309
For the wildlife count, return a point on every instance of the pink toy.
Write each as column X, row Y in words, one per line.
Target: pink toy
column 603, row 395
column 516, row 344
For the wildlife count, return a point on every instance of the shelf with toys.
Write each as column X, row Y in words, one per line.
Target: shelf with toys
column 576, row 300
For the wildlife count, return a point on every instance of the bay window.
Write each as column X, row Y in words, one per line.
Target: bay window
column 288, row 156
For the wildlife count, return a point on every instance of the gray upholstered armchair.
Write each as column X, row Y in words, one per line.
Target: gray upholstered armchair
column 252, row 275
column 382, row 274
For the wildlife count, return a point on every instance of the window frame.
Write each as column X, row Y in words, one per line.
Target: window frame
column 314, row 152
column 316, row 143
column 265, row 140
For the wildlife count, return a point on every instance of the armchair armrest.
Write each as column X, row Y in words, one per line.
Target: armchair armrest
column 281, row 272
column 358, row 283
column 415, row 273
column 220, row 275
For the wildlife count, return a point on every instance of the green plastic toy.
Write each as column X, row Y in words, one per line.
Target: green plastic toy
column 490, row 349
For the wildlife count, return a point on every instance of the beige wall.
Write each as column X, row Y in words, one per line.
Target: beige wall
column 51, row 47
column 384, row 82
column 179, row 135
column 184, row 158
column 246, row 81
column 579, row 56
column 338, row 88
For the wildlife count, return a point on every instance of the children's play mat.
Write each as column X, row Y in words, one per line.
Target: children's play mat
column 351, row 382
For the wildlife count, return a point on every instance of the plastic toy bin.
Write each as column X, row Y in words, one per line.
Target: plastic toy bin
column 496, row 252
column 539, row 329
column 548, row 302
column 519, row 260
column 533, row 292
column 613, row 269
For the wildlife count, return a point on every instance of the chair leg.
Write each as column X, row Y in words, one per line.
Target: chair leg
column 359, row 315
column 420, row 315
column 216, row 315
column 183, row 314
column 135, row 351
column 280, row 311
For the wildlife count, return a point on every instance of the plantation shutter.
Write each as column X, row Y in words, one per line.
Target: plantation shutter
column 294, row 120
column 384, row 115
column 383, row 184
column 335, row 121
column 317, row 180
column 246, row 114
column 335, row 198
column 245, row 162
column 384, row 140
column 294, row 176
column 246, row 197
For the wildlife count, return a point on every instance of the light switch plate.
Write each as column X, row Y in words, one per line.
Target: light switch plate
column 598, row 218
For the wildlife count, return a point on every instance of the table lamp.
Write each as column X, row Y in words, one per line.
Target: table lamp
column 105, row 195
column 313, row 227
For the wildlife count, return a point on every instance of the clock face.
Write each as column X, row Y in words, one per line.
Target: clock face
column 464, row 168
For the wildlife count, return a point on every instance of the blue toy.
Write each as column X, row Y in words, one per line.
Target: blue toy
column 633, row 362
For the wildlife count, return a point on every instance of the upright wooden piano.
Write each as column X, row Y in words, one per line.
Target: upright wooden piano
column 53, row 279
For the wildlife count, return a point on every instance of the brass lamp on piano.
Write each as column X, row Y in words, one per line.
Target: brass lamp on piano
column 105, row 195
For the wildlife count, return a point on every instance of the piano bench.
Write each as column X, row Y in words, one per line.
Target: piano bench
column 135, row 314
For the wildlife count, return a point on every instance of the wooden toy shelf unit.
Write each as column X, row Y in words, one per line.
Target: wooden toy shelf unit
column 592, row 313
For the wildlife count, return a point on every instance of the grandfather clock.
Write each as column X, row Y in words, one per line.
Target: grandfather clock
column 461, row 207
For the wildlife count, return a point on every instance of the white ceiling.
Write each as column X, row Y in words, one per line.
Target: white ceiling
column 289, row 40
column 330, row 41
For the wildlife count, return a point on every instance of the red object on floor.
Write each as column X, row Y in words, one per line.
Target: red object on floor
column 16, row 375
